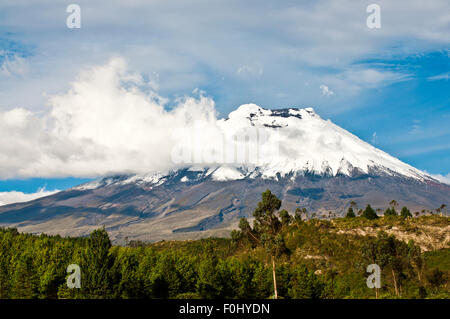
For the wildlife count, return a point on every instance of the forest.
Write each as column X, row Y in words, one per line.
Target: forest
column 280, row 255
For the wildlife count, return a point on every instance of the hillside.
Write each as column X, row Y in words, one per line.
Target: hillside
column 322, row 259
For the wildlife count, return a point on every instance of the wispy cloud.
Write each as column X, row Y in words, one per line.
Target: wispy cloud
column 326, row 90
column 13, row 65
column 416, row 127
column 443, row 76
column 374, row 138
column 423, row 149
column 354, row 79
column 250, row 69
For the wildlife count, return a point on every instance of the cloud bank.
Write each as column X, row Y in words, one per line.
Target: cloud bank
column 109, row 121
column 18, row 197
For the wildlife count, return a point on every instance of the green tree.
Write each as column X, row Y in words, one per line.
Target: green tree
column 305, row 284
column 300, row 214
column 268, row 226
column 405, row 213
column 266, row 230
column 391, row 254
column 247, row 232
column 96, row 280
column 350, row 213
column 393, row 203
column 353, row 205
column 24, row 279
column 416, row 259
column 390, row 211
column 286, row 219
column 369, row 213
column 210, row 283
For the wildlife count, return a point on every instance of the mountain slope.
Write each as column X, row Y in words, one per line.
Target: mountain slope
column 306, row 161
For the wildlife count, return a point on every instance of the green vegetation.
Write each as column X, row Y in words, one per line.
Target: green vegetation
column 390, row 212
column 350, row 213
column 369, row 213
column 438, row 259
column 307, row 258
column 405, row 213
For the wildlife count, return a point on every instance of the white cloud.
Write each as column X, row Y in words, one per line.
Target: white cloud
column 442, row 178
column 109, row 121
column 325, row 90
column 18, row 197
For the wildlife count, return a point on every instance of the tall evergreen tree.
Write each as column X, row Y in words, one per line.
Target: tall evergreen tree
column 96, row 281
column 369, row 213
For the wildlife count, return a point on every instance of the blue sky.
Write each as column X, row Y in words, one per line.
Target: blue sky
column 389, row 86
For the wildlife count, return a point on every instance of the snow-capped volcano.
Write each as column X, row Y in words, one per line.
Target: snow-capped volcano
column 308, row 162
column 295, row 142
column 306, row 142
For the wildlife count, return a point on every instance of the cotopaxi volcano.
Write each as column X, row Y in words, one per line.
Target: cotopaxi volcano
column 307, row 161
